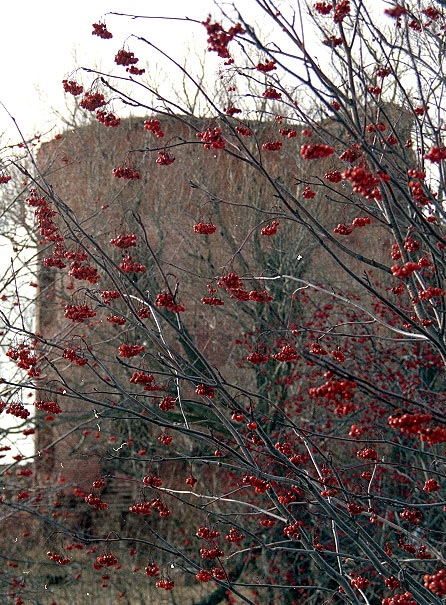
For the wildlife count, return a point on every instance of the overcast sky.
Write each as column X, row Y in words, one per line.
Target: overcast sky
column 41, row 42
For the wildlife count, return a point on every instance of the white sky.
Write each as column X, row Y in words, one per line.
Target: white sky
column 39, row 42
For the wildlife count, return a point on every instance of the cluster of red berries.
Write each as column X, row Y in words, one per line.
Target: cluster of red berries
column 97, row 503
column 363, row 182
column 431, row 485
column 322, row 8
column 86, row 272
column 270, row 229
column 203, row 576
column 341, row 11
column 266, row 67
column 212, row 139
column 141, row 378
column 158, row 505
column 25, row 361
column 292, row 531
column 361, row 221
column 288, row 132
column 360, row 582
column 207, row 533
column 155, row 127
column 308, row 194
column 272, row 93
column 230, row 111
column 58, row 558
column 4, row 178
column 367, row 453
column 257, row 358
column 100, row 29
column 78, row 313
column 164, row 158
column 211, row 553
column 234, row 536
column 165, row 299
column 405, row 271
column 107, row 560
column 152, row 481
column 166, row 584
column 44, row 216
column 115, row 319
column 259, row 297
column 127, row 173
column 135, row 70
column 72, row 355
column 412, row 515
column 48, row 406
column 218, row 38
column 166, row 404
column 286, row 354
column 50, row 261
column 92, row 101
column 333, row 41
column 205, row 391
column 243, row 132
column 141, row 508
column 355, row 509
column 143, row 312
column 213, row 301
column 342, row 229
column 124, row 57
column 128, row 265
column 205, row 228
column 410, row 424
column 313, row 152
column 152, row 570
column 436, row 582
column 124, row 241
column 72, row 87
column 165, row 439
column 18, row 410
column 191, row 481
column 436, row 154
column 404, row 598
column 108, row 119
column 129, row 351
column 259, row 484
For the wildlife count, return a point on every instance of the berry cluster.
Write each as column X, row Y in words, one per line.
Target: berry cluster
column 313, row 152
column 363, row 182
column 115, row 319
column 78, row 313
column 58, row 558
column 165, row 299
column 333, row 41
column 234, row 536
column 141, row 378
column 211, row 553
column 72, row 87
column 155, row 127
column 152, row 481
column 166, row 404
column 213, row 301
column 205, row 391
column 308, row 194
column 124, row 241
column 367, row 453
column 128, row 265
column 4, row 178
column 431, row 486
column 108, row 119
column 86, row 272
column 399, row 599
column 412, row 515
column 97, row 503
column 256, row 358
column 166, row 584
column 18, row 410
column 436, row 582
column 203, row 576
column 259, row 484
column 164, row 158
column 243, row 132
column 129, row 351
column 206, row 533
column 107, row 560
column 205, row 228
column 322, row 8
column 266, row 67
column 127, row 173
column 72, row 355
column 212, row 139
column 286, row 354
column 124, row 57
column 436, row 154
column 92, row 101
column 288, row 132
column 100, row 29
column 292, row 531
column 270, row 229
column 218, row 38
column 360, row 582
column 160, row 507
column 141, row 508
column 272, row 93
column 152, row 570
column 48, row 406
